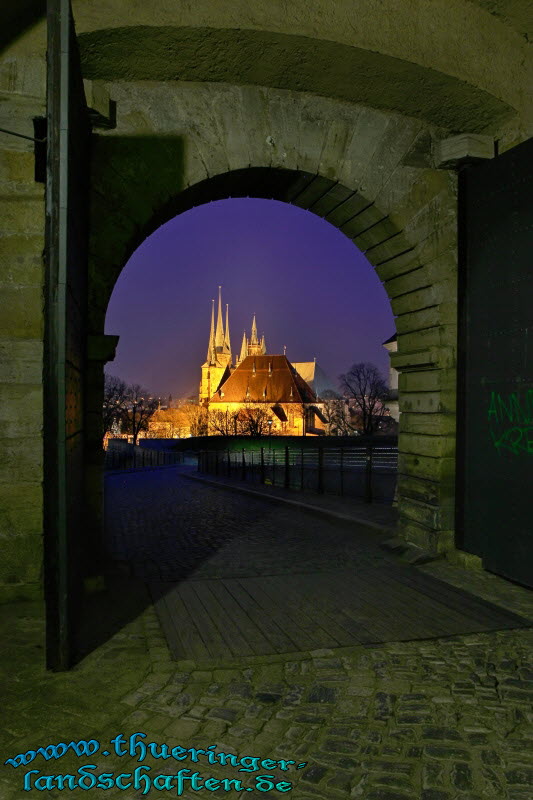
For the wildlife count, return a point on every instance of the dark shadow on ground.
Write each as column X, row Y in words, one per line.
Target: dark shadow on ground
column 162, row 529
column 109, row 610
column 240, row 574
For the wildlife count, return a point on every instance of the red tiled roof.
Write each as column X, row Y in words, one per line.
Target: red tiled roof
column 264, row 379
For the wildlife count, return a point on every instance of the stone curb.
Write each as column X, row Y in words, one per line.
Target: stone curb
column 305, row 507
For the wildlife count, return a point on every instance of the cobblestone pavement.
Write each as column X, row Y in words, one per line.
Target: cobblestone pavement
column 197, row 530
column 446, row 719
column 377, row 515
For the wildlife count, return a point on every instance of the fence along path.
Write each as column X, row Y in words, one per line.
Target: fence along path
column 134, row 457
column 367, row 471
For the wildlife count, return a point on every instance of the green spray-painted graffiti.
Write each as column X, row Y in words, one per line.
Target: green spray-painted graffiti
column 511, row 421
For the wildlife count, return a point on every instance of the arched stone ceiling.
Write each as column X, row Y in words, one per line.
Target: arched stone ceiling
column 298, row 63
column 518, row 14
column 443, row 52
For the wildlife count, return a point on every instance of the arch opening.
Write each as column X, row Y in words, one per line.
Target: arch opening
column 342, row 293
column 417, row 267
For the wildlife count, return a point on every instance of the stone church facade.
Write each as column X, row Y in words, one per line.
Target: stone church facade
column 262, row 386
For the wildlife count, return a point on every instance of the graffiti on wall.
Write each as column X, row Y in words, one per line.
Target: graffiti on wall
column 510, row 418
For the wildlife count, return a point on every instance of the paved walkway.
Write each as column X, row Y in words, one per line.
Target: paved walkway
column 382, row 518
column 377, row 516
column 442, row 719
column 265, row 579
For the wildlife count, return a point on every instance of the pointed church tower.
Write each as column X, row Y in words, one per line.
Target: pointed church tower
column 211, row 355
column 244, row 348
column 218, row 353
column 227, row 342
column 253, row 337
column 254, row 345
column 263, row 345
column 219, row 335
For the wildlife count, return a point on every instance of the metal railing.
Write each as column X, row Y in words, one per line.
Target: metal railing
column 367, row 471
column 133, row 457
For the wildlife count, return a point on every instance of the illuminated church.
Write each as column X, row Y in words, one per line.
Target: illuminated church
column 258, row 381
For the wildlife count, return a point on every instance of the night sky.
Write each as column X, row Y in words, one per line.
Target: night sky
column 309, row 286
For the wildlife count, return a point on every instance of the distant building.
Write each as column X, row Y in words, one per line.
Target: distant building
column 392, row 403
column 314, row 376
column 218, row 363
column 270, row 383
column 263, row 386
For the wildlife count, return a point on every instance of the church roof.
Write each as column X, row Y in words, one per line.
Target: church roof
column 306, row 369
column 264, row 379
column 314, row 375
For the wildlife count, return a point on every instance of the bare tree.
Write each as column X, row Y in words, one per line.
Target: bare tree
column 115, row 402
column 366, row 392
column 224, row 423
column 253, row 420
column 139, row 408
column 197, row 418
column 339, row 421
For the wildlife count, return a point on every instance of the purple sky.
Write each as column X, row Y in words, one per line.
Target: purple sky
column 309, row 286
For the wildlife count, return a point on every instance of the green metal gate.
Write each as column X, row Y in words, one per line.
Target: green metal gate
column 495, row 399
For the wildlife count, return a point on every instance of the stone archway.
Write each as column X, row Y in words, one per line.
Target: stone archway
column 368, row 172
column 195, row 78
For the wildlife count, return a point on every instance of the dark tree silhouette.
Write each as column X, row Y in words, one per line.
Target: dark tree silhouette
column 223, row 423
column 115, row 401
column 197, row 417
column 339, row 422
column 139, row 408
column 253, row 420
column 366, row 392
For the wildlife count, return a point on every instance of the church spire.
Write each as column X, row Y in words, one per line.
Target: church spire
column 219, row 335
column 263, row 345
column 255, row 347
column 227, row 343
column 253, row 338
column 244, row 348
column 211, row 347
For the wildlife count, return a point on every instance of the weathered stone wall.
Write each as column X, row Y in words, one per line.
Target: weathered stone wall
column 22, row 216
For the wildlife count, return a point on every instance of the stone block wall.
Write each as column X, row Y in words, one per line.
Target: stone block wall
column 22, row 215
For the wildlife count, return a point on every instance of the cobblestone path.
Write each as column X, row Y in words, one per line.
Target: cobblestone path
column 169, row 528
column 235, row 574
column 446, row 719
